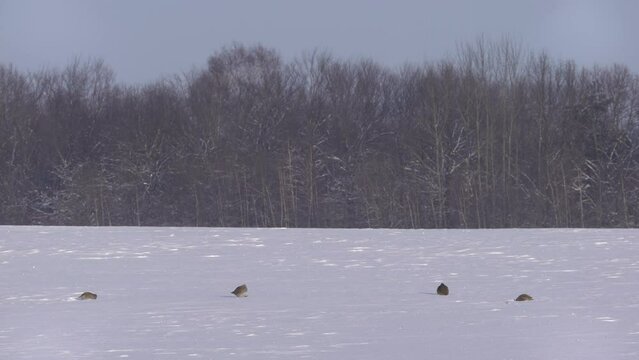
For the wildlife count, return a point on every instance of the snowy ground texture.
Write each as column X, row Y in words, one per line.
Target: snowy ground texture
column 164, row 293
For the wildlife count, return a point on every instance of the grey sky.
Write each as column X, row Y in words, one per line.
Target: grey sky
column 143, row 40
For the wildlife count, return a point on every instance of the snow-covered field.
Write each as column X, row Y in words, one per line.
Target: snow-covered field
column 164, row 293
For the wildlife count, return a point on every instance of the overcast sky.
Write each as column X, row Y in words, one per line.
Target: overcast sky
column 144, row 40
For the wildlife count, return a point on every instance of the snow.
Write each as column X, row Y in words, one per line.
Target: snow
column 164, row 293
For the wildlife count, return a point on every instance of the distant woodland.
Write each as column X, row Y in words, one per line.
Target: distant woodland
column 493, row 137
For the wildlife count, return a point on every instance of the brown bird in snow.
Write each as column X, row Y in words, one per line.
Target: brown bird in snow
column 87, row 296
column 524, row 297
column 442, row 289
column 240, row 291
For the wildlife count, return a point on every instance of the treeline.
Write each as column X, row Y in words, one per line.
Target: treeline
column 495, row 137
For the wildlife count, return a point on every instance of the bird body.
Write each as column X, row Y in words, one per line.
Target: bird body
column 240, row 291
column 524, row 297
column 442, row 289
column 87, row 296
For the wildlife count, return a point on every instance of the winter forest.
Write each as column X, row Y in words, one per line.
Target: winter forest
column 494, row 136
